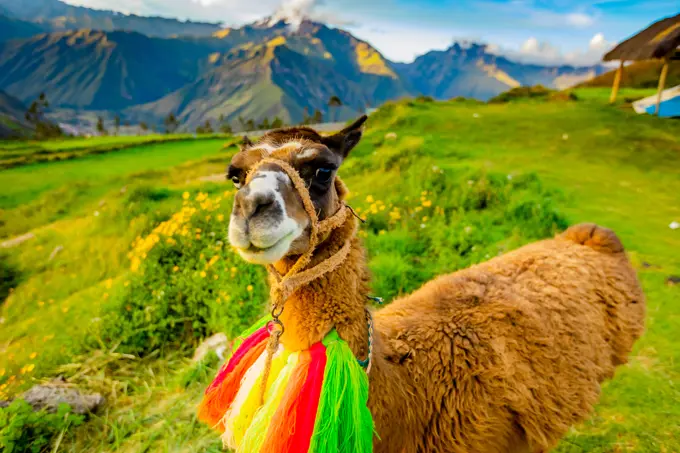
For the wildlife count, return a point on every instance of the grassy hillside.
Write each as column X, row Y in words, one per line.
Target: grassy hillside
column 20, row 153
column 12, row 123
column 642, row 74
column 462, row 182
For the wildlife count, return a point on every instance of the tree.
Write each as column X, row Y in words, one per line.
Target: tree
column 101, row 129
column 225, row 128
column 264, row 125
column 171, row 123
column 305, row 116
column 36, row 116
column 333, row 103
column 277, row 123
column 243, row 123
column 116, row 124
column 250, row 125
column 205, row 129
column 223, row 125
column 143, row 127
column 318, row 117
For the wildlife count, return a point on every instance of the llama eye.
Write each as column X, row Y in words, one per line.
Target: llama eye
column 236, row 181
column 323, row 175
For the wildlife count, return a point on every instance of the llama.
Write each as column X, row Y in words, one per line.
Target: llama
column 503, row 356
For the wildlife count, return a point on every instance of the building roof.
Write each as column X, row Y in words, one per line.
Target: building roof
column 659, row 40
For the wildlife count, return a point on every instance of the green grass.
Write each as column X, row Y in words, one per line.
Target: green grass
column 36, row 194
column 574, row 161
column 19, row 153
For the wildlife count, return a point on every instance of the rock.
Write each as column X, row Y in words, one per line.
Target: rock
column 391, row 136
column 55, row 252
column 673, row 280
column 49, row 396
column 218, row 343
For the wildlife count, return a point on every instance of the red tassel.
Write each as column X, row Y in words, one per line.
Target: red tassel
column 222, row 391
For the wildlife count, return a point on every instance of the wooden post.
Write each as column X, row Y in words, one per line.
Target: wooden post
column 662, row 84
column 617, row 82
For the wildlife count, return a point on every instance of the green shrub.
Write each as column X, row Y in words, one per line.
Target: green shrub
column 186, row 283
column 457, row 218
column 23, row 430
column 522, row 92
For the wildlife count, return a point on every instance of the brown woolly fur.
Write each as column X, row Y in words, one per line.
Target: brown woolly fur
column 502, row 357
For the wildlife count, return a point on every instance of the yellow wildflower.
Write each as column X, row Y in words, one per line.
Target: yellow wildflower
column 41, row 303
column 382, row 232
column 220, row 218
column 203, row 274
column 427, row 203
column 2, row 372
column 64, row 309
column 175, row 269
column 33, row 355
column 186, row 195
column 425, row 219
column 369, row 199
column 249, row 288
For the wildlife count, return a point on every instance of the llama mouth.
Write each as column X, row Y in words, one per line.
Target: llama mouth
column 271, row 254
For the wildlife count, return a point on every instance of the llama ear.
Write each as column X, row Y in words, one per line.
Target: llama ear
column 246, row 143
column 344, row 141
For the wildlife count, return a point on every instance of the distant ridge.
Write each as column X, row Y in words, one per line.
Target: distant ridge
column 55, row 15
column 205, row 73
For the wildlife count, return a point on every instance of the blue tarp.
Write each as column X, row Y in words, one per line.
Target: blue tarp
column 669, row 107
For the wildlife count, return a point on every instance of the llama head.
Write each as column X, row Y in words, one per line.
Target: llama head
column 268, row 220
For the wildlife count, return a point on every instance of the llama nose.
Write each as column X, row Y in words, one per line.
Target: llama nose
column 252, row 204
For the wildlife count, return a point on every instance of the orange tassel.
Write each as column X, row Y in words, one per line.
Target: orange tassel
column 216, row 403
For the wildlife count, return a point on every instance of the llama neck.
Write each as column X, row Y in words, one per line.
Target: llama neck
column 335, row 300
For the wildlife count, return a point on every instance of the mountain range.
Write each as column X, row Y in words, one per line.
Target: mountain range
column 143, row 69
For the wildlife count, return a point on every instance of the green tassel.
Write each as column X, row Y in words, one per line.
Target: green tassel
column 343, row 422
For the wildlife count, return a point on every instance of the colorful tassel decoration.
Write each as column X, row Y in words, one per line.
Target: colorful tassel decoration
column 315, row 400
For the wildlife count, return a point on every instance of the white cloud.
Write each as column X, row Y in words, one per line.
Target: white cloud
column 580, row 20
column 542, row 52
column 403, row 43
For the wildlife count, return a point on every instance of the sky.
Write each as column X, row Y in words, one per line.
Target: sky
column 574, row 32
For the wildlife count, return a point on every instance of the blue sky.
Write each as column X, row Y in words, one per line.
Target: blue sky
column 542, row 31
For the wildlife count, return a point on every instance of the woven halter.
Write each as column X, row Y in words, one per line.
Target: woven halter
column 297, row 276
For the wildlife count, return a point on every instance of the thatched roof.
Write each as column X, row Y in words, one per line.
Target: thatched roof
column 659, row 40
